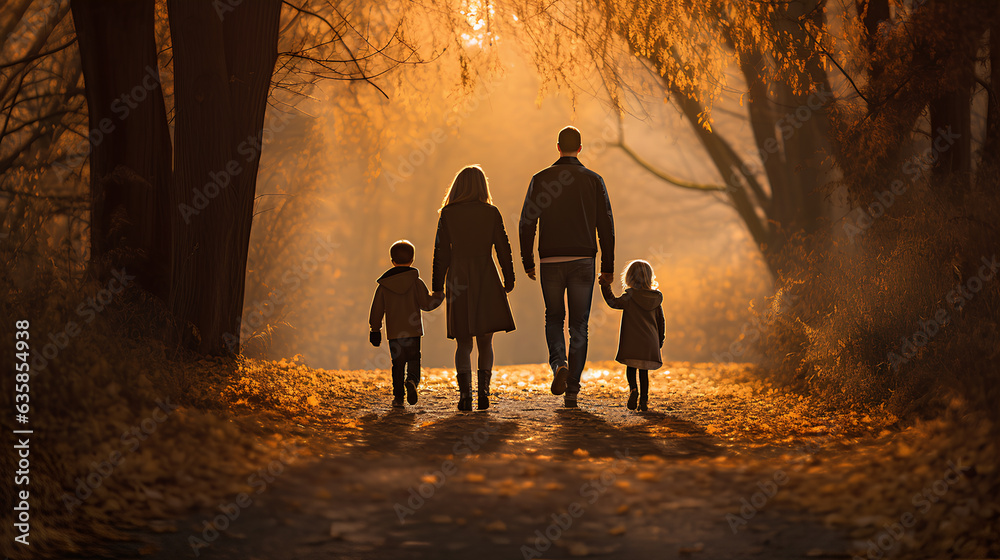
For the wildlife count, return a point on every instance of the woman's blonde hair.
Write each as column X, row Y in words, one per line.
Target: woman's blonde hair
column 470, row 184
column 639, row 274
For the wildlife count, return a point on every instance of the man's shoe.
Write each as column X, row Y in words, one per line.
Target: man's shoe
column 633, row 398
column 397, row 402
column 411, row 391
column 559, row 380
column 569, row 401
column 642, row 404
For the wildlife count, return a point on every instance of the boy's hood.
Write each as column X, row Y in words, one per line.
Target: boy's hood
column 647, row 299
column 399, row 278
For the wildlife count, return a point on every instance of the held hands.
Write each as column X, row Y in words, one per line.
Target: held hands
column 606, row 278
column 438, row 297
column 375, row 337
column 508, row 287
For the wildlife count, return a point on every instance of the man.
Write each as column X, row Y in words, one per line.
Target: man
column 569, row 206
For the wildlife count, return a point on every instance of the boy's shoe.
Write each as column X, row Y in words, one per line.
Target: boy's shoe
column 569, row 401
column 633, row 398
column 559, row 380
column 642, row 404
column 397, row 402
column 411, row 391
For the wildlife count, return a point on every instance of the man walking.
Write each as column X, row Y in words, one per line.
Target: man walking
column 568, row 204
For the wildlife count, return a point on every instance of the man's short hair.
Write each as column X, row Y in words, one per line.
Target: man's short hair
column 401, row 252
column 569, row 139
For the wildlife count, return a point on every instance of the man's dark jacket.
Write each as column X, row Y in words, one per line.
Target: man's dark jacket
column 569, row 204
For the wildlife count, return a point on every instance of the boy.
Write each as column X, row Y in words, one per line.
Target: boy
column 400, row 297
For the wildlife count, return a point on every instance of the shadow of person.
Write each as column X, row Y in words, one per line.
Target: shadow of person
column 680, row 437
column 465, row 434
column 579, row 429
column 386, row 433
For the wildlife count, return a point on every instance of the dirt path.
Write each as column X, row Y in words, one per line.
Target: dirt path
column 529, row 479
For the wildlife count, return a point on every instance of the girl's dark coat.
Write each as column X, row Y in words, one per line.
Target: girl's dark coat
column 467, row 234
column 642, row 326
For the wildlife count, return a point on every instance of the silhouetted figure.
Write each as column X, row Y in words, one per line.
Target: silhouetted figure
column 468, row 231
column 642, row 330
column 400, row 297
column 568, row 204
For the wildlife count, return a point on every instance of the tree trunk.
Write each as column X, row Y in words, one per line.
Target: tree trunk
column 989, row 164
column 951, row 113
column 223, row 63
column 130, row 140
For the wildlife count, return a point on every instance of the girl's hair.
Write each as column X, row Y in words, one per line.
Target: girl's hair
column 639, row 274
column 470, row 184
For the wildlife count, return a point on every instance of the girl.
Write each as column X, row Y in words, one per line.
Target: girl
column 642, row 327
column 468, row 231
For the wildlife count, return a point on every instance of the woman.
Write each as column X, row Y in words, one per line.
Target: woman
column 469, row 229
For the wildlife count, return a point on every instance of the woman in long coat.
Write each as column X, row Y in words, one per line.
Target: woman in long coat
column 468, row 231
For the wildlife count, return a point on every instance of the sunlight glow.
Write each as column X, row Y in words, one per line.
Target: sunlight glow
column 477, row 14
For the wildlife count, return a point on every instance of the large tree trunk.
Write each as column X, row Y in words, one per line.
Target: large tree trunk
column 223, row 63
column 130, row 141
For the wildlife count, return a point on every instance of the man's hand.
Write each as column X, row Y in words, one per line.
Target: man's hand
column 530, row 273
column 375, row 337
column 438, row 296
column 606, row 278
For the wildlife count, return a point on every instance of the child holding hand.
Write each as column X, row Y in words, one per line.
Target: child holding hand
column 642, row 329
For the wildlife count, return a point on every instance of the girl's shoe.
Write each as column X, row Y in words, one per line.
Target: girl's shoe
column 464, row 391
column 633, row 397
column 642, row 404
column 465, row 403
column 484, row 377
column 397, row 402
column 411, row 391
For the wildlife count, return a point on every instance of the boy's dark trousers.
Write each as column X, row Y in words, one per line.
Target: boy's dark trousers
column 405, row 354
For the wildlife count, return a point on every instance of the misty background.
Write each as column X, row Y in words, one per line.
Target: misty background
column 348, row 169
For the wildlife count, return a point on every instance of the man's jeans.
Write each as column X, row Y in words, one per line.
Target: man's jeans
column 405, row 354
column 571, row 281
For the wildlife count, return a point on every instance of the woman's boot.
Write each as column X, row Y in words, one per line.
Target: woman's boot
column 484, row 388
column 464, row 390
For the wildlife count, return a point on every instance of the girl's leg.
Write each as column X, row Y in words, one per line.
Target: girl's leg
column 463, row 355
column 633, row 393
column 463, row 372
column 643, row 388
column 484, row 343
